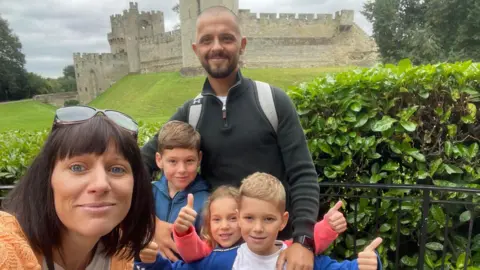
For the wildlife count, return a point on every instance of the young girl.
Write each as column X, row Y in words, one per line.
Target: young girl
column 221, row 229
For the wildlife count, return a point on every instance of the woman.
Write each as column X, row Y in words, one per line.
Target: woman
column 85, row 202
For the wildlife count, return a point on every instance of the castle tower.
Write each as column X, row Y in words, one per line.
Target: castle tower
column 131, row 37
column 189, row 10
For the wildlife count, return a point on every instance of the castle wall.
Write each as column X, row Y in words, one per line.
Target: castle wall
column 97, row 72
column 348, row 48
column 161, row 53
column 56, row 99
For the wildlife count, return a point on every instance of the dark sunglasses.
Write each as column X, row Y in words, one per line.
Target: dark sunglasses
column 78, row 114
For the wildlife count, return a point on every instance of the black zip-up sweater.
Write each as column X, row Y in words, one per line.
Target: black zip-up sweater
column 238, row 140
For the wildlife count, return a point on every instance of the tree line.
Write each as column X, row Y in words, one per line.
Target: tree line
column 15, row 81
column 425, row 31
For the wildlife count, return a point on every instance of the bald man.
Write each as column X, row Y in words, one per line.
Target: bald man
column 238, row 139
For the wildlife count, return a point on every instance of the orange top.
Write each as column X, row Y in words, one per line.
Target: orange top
column 16, row 253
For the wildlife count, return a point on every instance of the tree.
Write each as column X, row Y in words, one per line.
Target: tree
column 425, row 31
column 12, row 61
column 467, row 43
column 69, row 71
column 176, row 9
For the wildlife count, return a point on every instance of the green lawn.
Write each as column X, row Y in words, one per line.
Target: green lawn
column 28, row 115
column 150, row 97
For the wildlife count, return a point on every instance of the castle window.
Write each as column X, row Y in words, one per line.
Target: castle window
column 85, row 89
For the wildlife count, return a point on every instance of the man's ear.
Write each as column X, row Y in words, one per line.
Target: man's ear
column 243, row 45
column 285, row 217
column 158, row 160
column 194, row 47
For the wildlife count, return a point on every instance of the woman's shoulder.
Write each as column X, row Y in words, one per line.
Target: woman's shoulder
column 120, row 263
column 15, row 251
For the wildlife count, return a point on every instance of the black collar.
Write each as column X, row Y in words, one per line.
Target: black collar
column 235, row 90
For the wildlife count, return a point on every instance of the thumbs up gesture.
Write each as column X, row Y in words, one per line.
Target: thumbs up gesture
column 149, row 253
column 335, row 218
column 367, row 259
column 186, row 217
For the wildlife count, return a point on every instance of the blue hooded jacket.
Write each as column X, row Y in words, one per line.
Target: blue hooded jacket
column 167, row 209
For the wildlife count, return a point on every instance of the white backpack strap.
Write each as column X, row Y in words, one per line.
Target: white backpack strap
column 195, row 111
column 265, row 97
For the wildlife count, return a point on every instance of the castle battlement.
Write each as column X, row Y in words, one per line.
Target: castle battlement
column 151, row 12
column 88, row 57
column 344, row 16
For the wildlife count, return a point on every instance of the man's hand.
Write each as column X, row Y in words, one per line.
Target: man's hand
column 336, row 219
column 186, row 217
column 164, row 240
column 297, row 257
column 149, row 254
column 367, row 259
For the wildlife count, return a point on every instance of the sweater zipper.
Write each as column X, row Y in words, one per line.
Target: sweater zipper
column 170, row 205
column 224, row 113
column 224, row 105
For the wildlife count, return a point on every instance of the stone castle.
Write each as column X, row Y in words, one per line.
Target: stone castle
column 139, row 44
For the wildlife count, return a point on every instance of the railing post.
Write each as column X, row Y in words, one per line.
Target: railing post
column 423, row 230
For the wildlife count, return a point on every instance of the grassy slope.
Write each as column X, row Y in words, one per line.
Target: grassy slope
column 150, row 97
column 28, row 114
column 155, row 97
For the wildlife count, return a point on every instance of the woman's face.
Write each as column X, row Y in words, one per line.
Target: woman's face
column 92, row 193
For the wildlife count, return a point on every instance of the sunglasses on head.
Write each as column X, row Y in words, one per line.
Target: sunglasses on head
column 78, row 114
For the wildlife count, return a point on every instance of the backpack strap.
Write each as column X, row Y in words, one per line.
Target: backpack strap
column 195, row 111
column 265, row 98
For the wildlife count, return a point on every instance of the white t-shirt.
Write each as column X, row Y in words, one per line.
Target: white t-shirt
column 223, row 99
column 246, row 259
column 99, row 262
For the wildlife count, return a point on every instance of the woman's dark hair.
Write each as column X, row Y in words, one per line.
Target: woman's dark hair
column 32, row 203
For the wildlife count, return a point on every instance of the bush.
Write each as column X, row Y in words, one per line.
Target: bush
column 399, row 125
column 71, row 102
column 19, row 147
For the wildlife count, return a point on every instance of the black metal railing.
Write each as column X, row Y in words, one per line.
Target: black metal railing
column 4, row 189
column 427, row 197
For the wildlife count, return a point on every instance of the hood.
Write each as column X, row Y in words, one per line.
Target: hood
column 197, row 185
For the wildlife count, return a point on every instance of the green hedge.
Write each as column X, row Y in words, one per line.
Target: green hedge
column 19, row 147
column 399, row 125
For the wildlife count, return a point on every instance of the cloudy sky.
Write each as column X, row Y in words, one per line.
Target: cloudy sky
column 51, row 30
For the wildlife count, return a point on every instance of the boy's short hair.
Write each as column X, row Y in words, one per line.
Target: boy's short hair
column 178, row 134
column 265, row 187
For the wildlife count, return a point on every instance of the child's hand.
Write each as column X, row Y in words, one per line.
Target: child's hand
column 186, row 217
column 149, row 254
column 367, row 259
column 335, row 218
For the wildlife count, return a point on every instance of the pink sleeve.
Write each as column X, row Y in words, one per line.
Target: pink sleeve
column 190, row 246
column 324, row 236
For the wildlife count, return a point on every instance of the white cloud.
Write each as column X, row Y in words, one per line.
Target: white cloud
column 52, row 30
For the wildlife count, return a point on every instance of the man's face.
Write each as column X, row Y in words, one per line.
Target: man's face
column 219, row 44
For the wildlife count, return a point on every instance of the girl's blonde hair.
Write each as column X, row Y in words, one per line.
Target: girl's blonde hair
column 221, row 192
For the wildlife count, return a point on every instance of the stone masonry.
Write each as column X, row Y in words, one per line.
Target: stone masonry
column 139, row 44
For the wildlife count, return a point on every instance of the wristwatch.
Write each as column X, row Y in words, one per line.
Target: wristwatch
column 305, row 241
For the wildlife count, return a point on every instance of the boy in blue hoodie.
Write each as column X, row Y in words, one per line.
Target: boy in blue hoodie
column 261, row 217
column 178, row 156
